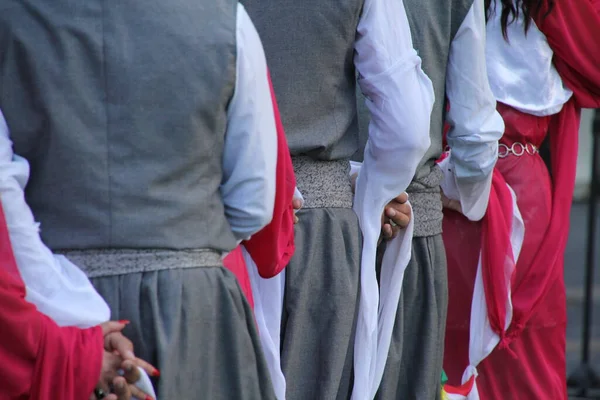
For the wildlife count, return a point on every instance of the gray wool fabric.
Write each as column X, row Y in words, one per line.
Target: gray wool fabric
column 196, row 326
column 322, row 285
column 414, row 364
column 120, row 109
column 309, row 47
column 321, row 305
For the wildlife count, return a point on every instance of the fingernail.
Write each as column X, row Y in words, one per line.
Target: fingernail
column 148, row 398
column 391, row 212
column 156, row 373
column 124, row 321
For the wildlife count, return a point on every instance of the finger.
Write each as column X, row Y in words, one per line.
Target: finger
column 401, row 220
column 130, row 371
column 387, row 231
column 146, row 366
column 395, row 231
column 138, row 393
column 297, row 204
column 296, row 219
column 120, row 344
column 390, row 212
column 121, row 389
column 113, row 326
column 403, row 198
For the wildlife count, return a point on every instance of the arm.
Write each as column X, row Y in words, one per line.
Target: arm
column 250, row 152
column 398, row 95
column 475, row 125
column 57, row 287
column 272, row 247
column 39, row 359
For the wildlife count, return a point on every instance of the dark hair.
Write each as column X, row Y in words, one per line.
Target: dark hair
column 512, row 9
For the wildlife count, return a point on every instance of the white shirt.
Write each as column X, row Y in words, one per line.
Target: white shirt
column 60, row 289
column 400, row 98
column 475, row 125
column 521, row 71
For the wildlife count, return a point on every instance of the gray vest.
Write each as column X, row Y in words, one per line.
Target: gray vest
column 120, row 108
column 309, row 47
column 433, row 24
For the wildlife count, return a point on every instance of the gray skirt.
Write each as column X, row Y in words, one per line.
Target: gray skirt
column 196, row 326
column 414, row 365
column 321, row 304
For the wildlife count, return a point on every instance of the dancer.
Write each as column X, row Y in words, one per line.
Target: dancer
column 450, row 37
column 543, row 59
column 150, row 135
column 314, row 52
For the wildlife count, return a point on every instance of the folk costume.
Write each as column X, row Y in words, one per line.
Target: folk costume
column 150, row 135
column 450, row 38
column 314, row 52
column 514, row 340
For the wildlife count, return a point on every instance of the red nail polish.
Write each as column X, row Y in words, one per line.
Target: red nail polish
column 124, row 321
column 156, row 373
column 148, row 398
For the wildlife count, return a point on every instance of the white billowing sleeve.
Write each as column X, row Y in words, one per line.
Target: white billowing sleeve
column 400, row 98
column 475, row 125
column 250, row 150
column 57, row 287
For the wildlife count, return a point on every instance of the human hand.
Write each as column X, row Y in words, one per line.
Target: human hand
column 121, row 391
column 396, row 215
column 451, row 204
column 119, row 358
column 297, row 204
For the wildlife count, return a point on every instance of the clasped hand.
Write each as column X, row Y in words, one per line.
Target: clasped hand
column 119, row 356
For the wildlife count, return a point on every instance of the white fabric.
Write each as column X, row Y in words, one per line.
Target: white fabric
column 268, row 306
column 250, row 149
column 482, row 339
column 475, row 125
column 61, row 290
column 521, row 71
column 400, row 98
column 473, row 196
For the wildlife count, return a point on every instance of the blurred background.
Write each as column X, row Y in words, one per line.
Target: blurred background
column 575, row 260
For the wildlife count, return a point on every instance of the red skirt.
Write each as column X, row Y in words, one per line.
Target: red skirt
column 534, row 367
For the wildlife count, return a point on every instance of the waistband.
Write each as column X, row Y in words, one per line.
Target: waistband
column 109, row 262
column 426, row 201
column 323, row 184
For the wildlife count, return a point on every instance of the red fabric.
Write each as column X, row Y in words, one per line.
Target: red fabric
column 573, row 28
column 498, row 263
column 236, row 264
column 462, row 390
column 272, row 247
column 536, row 367
column 38, row 359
